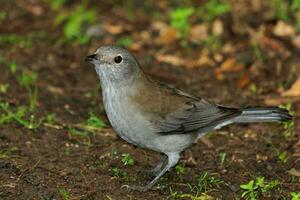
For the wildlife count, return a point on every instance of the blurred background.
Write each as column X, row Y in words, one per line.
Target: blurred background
column 56, row 142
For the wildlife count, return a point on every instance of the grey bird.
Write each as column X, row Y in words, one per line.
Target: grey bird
column 154, row 116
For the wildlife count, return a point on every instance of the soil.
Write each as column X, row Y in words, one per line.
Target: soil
column 40, row 163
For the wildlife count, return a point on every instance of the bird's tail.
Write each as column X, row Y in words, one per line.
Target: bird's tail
column 262, row 114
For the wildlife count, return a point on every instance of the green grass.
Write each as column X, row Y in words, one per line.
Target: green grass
column 65, row 194
column 288, row 11
column 20, row 115
column 73, row 22
column 205, row 181
column 222, row 157
column 180, row 169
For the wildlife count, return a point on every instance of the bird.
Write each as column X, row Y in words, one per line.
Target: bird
column 152, row 115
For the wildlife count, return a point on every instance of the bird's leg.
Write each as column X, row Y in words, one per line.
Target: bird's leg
column 172, row 160
column 158, row 167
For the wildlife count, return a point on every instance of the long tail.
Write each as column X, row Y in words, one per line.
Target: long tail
column 262, row 114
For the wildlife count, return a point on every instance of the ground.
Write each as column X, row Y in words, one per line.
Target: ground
column 64, row 157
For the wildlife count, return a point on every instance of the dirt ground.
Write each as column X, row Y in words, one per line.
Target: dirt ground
column 51, row 163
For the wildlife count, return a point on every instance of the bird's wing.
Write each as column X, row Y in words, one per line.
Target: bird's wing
column 173, row 111
column 195, row 116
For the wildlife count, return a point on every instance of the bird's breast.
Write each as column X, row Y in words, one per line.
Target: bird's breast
column 126, row 118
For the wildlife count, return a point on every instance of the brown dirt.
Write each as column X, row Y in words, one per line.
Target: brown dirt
column 42, row 161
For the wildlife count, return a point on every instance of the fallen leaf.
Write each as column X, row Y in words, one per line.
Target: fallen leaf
column 167, row 36
column 113, row 28
column 296, row 41
column 217, row 27
column 204, row 59
column 178, row 61
column 294, row 172
column 275, row 45
column 207, row 142
column 55, row 90
column 275, row 101
column 244, row 81
column 230, row 65
column 294, row 90
column 283, row 29
column 198, row 33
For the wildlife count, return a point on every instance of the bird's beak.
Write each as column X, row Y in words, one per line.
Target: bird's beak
column 90, row 58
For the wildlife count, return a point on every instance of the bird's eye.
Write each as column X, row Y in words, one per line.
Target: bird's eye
column 118, row 59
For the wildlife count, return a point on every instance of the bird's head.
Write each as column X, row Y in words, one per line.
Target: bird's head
column 114, row 64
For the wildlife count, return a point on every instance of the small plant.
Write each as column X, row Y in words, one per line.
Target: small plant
column 125, row 41
column 95, row 121
column 116, row 172
column 283, row 157
column 295, row 195
column 65, row 195
column 4, row 88
column 288, row 125
column 259, row 186
column 2, row 154
column 127, row 159
column 253, row 88
column 212, row 9
column 13, row 66
column 179, row 20
column 50, row 118
column 73, row 24
column 56, row 4
column 28, row 80
column 180, row 169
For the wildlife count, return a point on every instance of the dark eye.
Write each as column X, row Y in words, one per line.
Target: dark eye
column 118, row 59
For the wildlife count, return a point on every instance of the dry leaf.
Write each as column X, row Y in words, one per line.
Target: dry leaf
column 178, row 61
column 198, row 32
column 113, row 28
column 217, row 27
column 294, row 172
column 55, row 90
column 275, row 45
column 167, row 36
column 204, row 59
column 244, row 81
column 283, row 29
column 275, row 101
column 296, row 41
column 230, row 65
column 294, row 90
